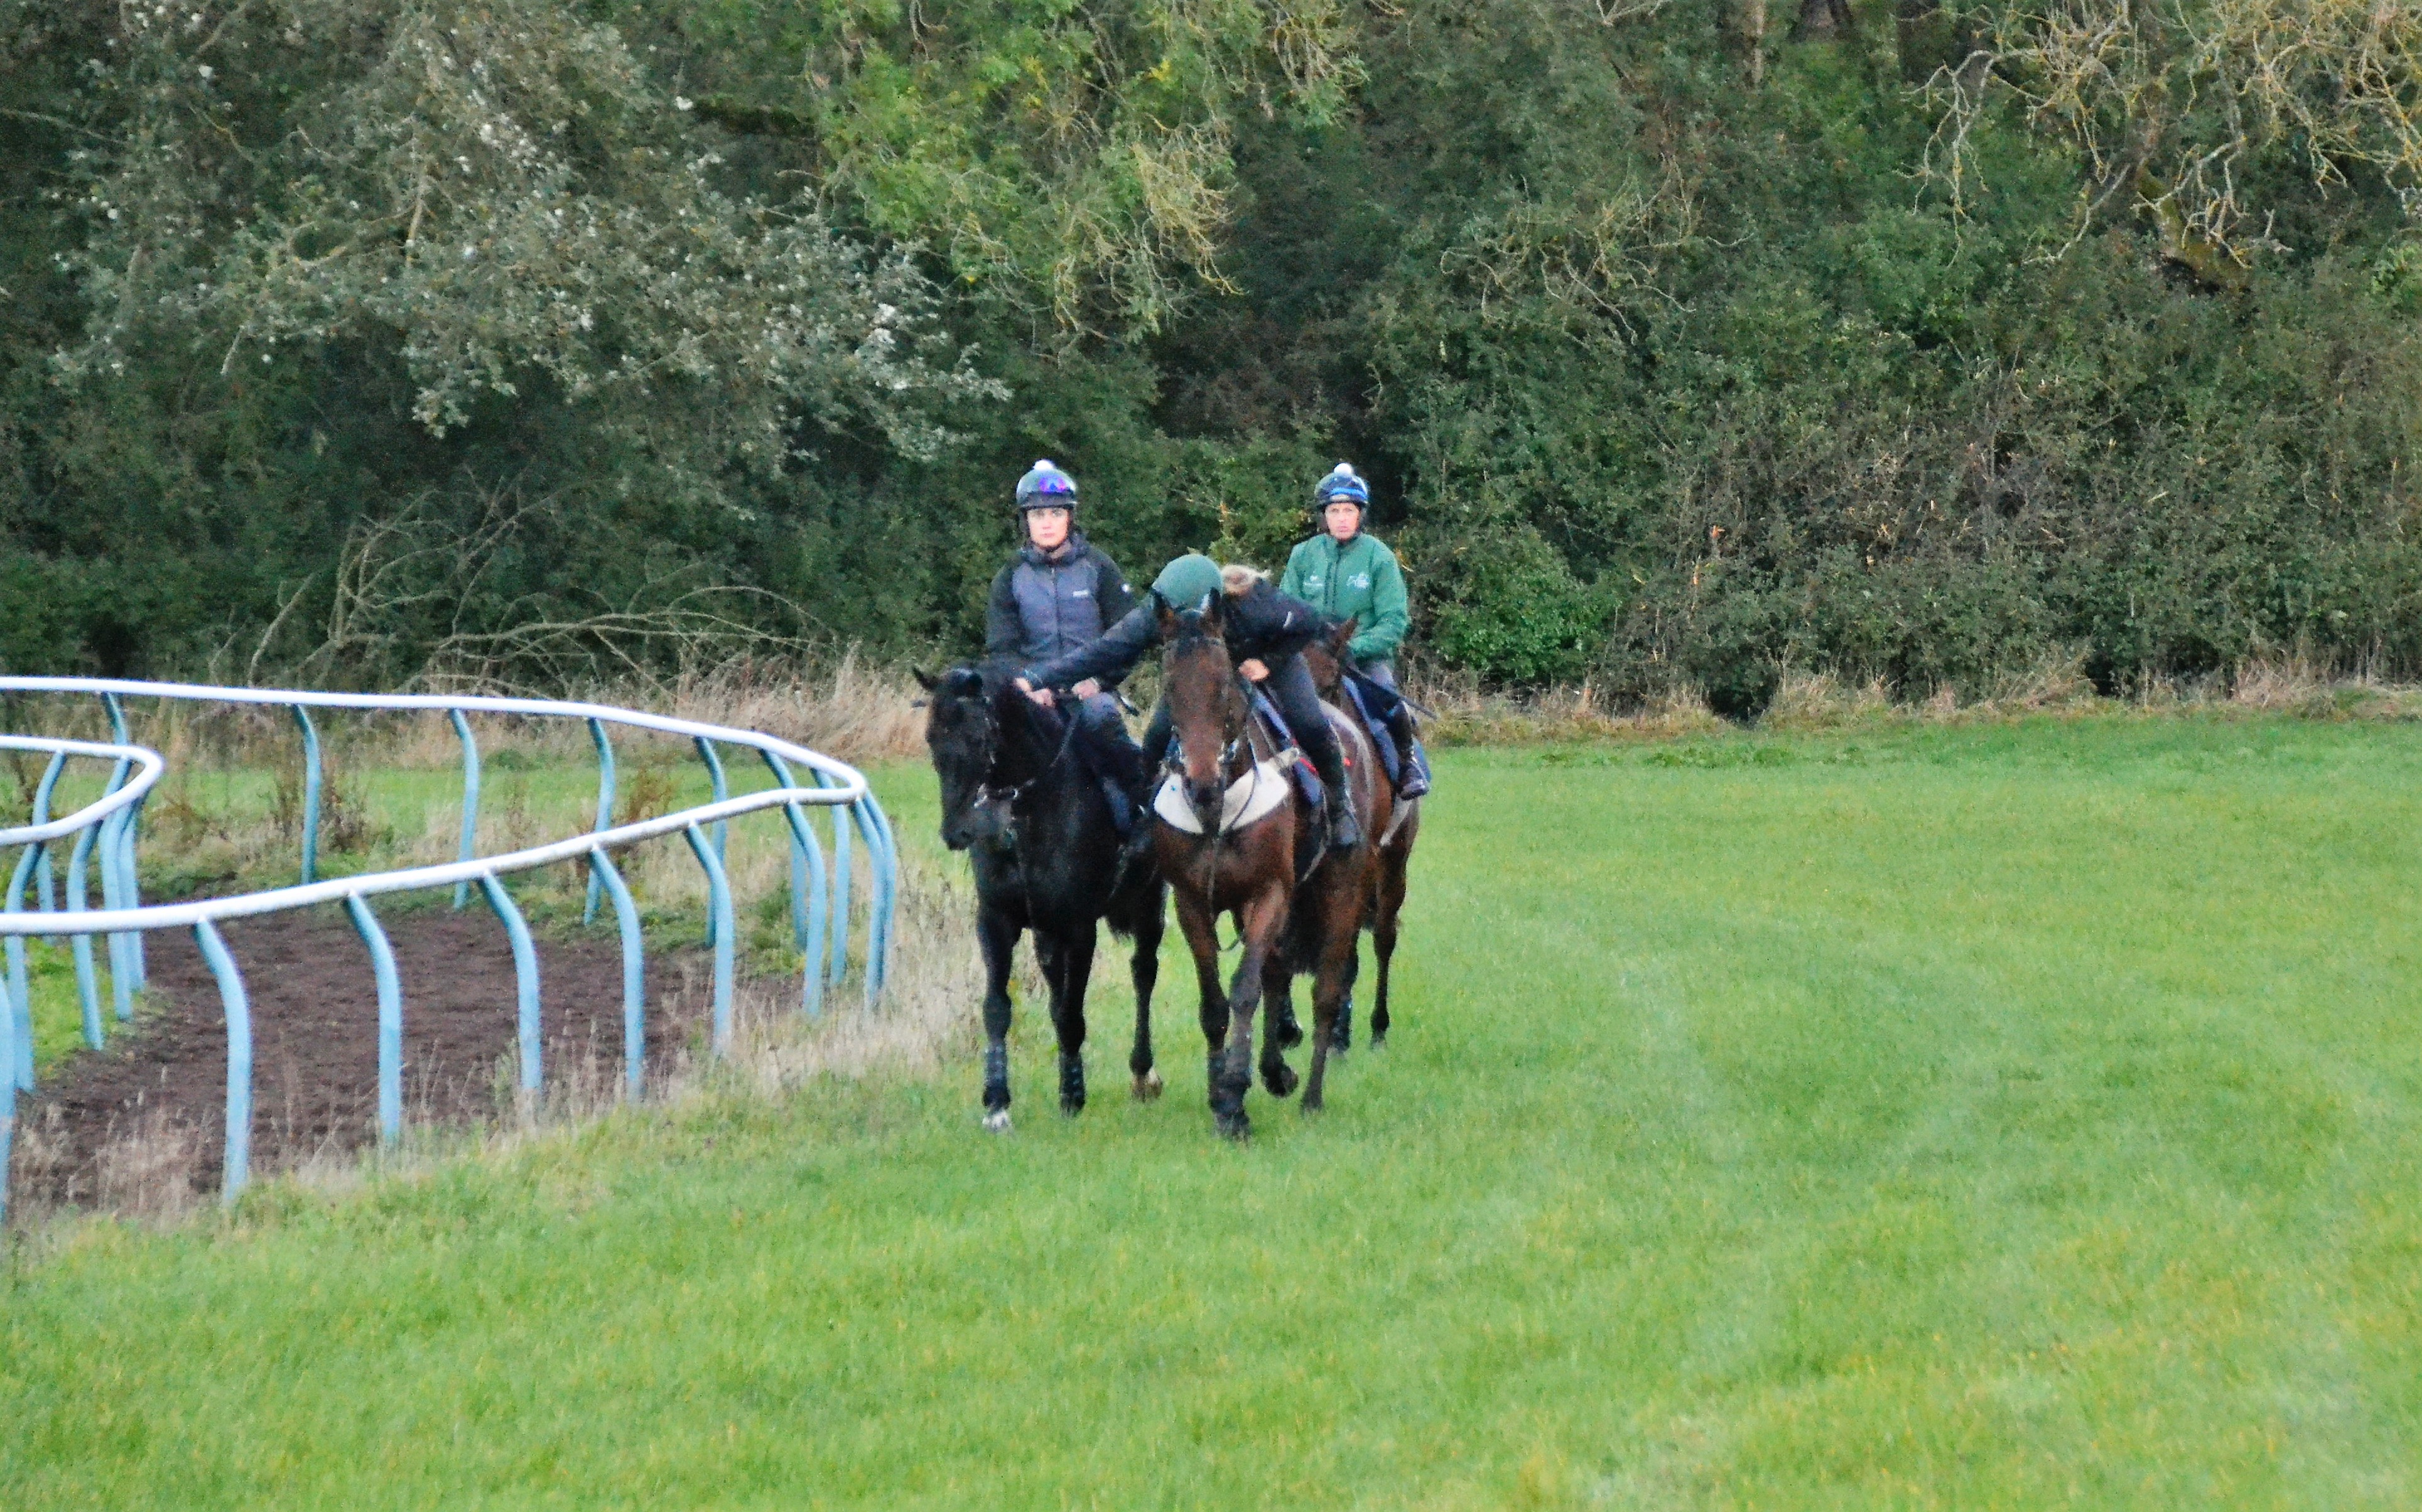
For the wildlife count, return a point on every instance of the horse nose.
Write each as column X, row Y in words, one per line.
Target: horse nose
column 1204, row 796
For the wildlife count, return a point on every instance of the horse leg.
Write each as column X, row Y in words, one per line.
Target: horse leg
column 1068, row 1016
column 1278, row 995
column 997, row 935
column 1144, row 970
column 1201, row 928
column 1343, row 1040
column 1383, row 939
column 1258, row 923
column 1330, row 979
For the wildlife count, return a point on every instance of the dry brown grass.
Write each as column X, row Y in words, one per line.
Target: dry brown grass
column 1463, row 713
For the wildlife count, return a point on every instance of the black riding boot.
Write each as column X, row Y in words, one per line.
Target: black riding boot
column 1343, row 833
column 1412, row 762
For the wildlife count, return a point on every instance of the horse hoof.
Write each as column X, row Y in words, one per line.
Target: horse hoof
column 1237, row 1128
column 1312, row 1105
column 1279, row 1078
column 1070, row 1107
column 1379, row 1039
column 997, row 1122
column 1147, row 1086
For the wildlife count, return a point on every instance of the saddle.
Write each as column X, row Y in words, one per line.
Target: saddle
column 1375, row 706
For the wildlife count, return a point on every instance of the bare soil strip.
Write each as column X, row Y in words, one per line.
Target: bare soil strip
column 141, row 1125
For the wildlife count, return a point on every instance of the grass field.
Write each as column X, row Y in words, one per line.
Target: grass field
column 2019, row 1115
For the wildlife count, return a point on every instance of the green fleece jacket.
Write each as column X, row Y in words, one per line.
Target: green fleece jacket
column 1358, row 580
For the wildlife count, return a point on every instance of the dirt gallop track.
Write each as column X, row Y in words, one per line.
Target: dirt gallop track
column 143, row 1124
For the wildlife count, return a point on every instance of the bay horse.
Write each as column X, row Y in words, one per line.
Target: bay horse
column 1038, row 830
column 1393, row 838
column 1250, row 872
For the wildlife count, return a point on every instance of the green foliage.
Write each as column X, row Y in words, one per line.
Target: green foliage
column 1665, row 368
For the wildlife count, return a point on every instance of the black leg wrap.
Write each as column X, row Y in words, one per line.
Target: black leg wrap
column 996, row 1091
column 1071, row 1083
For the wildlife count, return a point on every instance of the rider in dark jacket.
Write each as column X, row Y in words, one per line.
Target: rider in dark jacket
column 1054, row 598
column 1265, row 631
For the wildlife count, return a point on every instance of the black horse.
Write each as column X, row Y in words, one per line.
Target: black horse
column 1019, row 797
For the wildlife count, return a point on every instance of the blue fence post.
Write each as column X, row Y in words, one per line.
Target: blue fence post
column 80, row 946
column 43, row 889
column 605, row 809
column 887, row 901
column 525, row 987
column 718, row 893
column 390, row 1020
column 722, row 791
column 113, row 897
column 237, row 1169
column 806, row 894
column 839, row 918
column 118, row 861
column 470, row 799
column 132, row 882
column 21, row 998
column 310, row 796
column 635, row 1006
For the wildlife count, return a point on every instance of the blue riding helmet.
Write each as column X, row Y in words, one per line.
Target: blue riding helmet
column 1341, row 482
column 1045, row 487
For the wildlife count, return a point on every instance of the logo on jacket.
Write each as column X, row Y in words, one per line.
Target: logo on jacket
column 1358, row 580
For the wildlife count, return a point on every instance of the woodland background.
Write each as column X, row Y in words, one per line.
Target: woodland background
column 528, row 342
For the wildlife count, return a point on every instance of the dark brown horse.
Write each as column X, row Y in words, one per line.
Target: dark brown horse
column 1392, row 837
column 1250, row 872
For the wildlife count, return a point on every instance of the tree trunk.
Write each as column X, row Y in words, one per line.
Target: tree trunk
column 1749, row 26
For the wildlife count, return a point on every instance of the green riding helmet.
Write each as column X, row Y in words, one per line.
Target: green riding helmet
column 1188, row 582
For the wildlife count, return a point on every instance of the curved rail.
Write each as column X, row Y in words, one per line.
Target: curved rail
column 820, row 901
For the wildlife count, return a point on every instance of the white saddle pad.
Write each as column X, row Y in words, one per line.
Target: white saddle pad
column 1254, row 795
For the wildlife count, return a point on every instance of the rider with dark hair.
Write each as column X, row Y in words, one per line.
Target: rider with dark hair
column 1348, row 573
column 1055, row 598
column 1265, row 631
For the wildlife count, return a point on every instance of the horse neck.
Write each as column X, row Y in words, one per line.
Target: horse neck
column 1028, row 743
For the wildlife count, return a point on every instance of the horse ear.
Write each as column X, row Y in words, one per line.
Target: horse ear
column 928, row 683
column 1342, row 636
column 1169, row 625
column 1215, row 615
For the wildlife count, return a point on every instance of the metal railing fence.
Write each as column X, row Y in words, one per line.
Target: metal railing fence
column 107, row 830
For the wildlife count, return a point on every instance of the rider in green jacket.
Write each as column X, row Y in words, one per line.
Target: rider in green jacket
column 1345, row 572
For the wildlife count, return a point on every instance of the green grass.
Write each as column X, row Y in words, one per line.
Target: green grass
column 2013, row 1116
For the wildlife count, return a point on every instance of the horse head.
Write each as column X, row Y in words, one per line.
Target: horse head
column 962, row 736
column 1326, row 658
column 1207, row 705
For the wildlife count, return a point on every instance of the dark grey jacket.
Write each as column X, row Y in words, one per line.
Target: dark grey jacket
column 1262, row 624
column 1042, row 609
